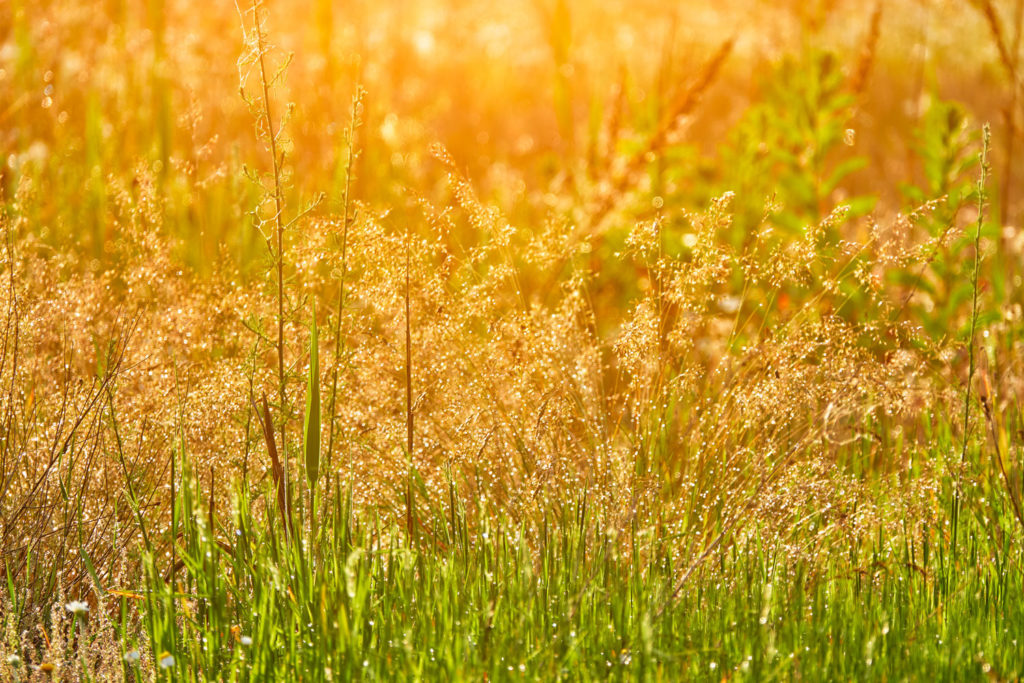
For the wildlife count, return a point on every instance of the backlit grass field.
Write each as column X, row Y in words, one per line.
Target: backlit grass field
column 542, row 340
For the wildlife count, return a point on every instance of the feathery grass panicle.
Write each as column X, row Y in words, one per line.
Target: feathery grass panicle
column 637, row 363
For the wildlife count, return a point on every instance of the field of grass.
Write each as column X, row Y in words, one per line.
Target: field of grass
column 550, row 340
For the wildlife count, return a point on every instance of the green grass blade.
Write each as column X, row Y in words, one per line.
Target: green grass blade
column 311, row 429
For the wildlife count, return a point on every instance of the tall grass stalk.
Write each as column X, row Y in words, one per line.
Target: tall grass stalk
column 346, row 217
column 980, row 223
column 981, row 191
column 409, row 428
column 278, row 254
column 311, row 426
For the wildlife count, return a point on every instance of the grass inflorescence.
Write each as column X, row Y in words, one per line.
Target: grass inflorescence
column 567, row 341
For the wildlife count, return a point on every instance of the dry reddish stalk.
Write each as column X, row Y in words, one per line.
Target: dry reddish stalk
column 266, row 421
column 866, row 59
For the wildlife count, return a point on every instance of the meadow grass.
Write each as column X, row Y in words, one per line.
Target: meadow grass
column 572, row 598
column 391, row 364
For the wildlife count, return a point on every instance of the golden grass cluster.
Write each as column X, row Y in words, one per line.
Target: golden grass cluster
column 582, row 316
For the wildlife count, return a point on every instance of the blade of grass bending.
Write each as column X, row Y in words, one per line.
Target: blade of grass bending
column 86, row 559
column 268, row 435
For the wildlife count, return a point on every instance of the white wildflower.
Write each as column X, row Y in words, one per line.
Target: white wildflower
column 77, row 607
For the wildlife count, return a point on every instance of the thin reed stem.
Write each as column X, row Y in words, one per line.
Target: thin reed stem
column 981, row 188
column 279, row 237
column 346, row 222
column 408, row 354
column 982, row 185
column 408, row 390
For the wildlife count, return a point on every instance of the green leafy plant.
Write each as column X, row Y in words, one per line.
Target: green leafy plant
column 790, row 147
